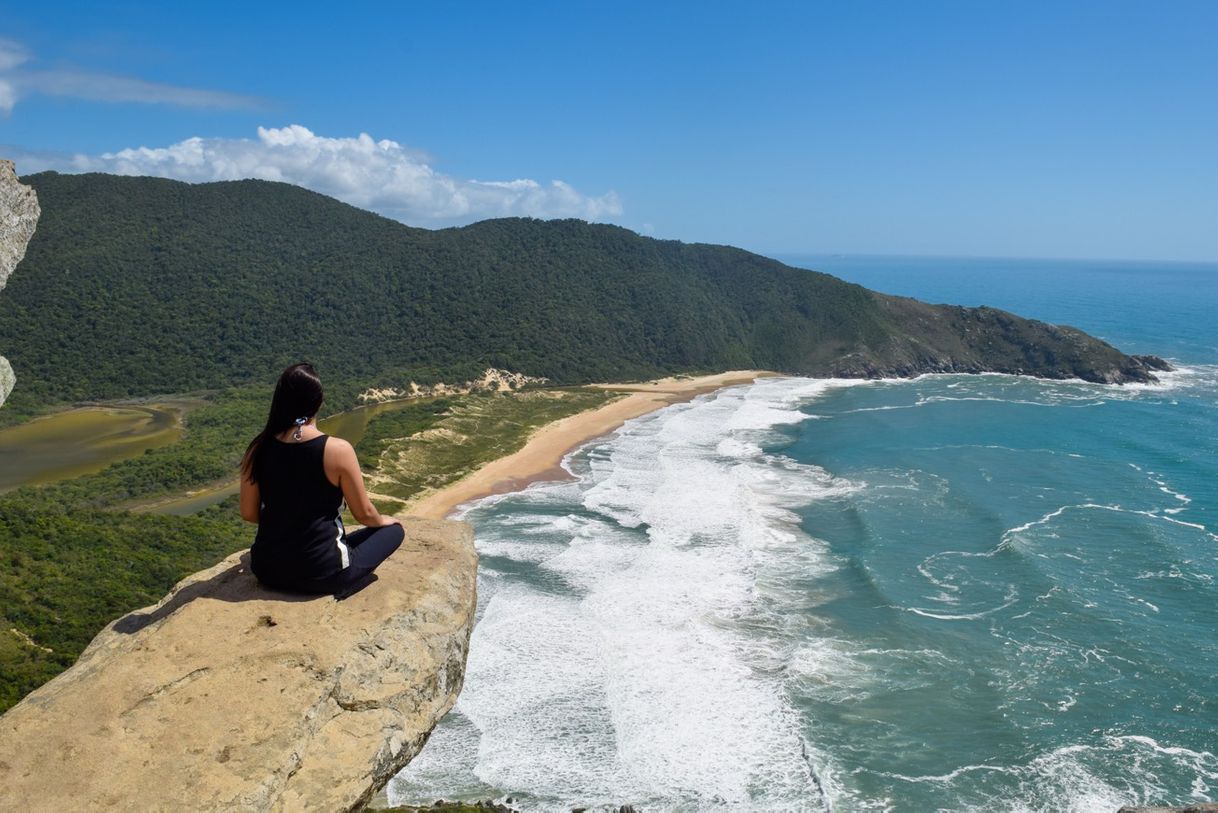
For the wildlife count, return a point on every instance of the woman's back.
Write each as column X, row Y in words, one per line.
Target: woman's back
column 293, row 482
column 300, row 534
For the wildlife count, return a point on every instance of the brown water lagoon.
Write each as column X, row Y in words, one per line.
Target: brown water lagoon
column 84, row 440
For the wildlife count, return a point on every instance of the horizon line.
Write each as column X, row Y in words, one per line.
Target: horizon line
column 779, row 255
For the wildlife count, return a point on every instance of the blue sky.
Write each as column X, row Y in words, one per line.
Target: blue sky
column 1085, row 129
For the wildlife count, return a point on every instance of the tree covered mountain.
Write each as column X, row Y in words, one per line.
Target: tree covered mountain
column 135, row 286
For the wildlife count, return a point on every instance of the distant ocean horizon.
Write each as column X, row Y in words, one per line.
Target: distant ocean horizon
column 947, row 593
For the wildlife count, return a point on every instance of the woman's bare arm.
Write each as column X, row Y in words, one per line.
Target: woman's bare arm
column 342, row 469
column 251, row 500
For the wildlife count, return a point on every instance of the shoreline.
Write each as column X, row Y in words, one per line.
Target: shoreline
column 541, row 457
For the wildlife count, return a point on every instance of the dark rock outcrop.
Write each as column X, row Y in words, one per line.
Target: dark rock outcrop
column 926, row 338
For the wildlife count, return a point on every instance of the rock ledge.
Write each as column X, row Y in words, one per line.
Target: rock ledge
column 228, row 696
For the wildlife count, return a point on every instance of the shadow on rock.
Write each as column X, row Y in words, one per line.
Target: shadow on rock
column 232, row 583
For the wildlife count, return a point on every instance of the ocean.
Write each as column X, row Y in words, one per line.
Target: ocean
column 950, row 593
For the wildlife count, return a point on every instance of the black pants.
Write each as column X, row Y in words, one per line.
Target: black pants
column 367, row 548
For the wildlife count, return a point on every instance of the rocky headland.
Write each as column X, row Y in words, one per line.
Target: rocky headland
column 18, row 218
column 927, row 338
column 228, row 696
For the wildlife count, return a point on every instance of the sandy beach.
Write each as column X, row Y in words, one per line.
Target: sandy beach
column 541, row 457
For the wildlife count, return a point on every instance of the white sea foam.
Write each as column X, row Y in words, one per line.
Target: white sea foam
column 1179, row 496
column 646, row 666
column 664, row 628
column 937, row 399
column 1012, row 534
column 1181, row 377
column 1096, row 777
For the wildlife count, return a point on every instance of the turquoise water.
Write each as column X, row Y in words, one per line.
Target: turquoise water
column 952, row 593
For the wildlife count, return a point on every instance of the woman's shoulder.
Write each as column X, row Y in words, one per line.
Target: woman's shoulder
column 338, row 444
column 337, row 448
column 339, row 459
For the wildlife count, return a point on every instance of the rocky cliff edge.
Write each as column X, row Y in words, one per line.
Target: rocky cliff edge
column 228, row 696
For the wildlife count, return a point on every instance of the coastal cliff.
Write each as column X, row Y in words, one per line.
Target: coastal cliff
column 18, row 218
column 228, row 696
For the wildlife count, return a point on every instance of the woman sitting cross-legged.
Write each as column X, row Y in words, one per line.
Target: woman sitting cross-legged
column 294, row 479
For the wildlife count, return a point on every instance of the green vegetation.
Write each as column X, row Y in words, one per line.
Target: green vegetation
column 440, row 446
column 142, row 286
column 73, row 560
column 71, row 563
column 69, row 572
column 384, row 430
column 21, row 406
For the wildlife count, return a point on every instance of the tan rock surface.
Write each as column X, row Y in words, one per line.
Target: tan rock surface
column 228, row 696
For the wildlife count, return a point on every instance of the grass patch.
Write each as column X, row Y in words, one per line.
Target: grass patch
column 471, row 431
column 384, row 431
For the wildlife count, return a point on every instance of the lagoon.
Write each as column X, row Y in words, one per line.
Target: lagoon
column 84, row 440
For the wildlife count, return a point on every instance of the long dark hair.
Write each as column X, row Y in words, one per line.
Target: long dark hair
column 297, row 395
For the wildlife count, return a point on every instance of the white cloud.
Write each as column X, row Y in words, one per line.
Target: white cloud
column 17, row 82
column 8, row 96
column 12, row 54
column 383, row 176
column 100, row 87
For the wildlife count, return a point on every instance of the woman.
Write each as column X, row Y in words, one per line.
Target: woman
column 294, row 479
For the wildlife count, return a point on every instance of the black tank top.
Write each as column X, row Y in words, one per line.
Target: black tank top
column 300, row 534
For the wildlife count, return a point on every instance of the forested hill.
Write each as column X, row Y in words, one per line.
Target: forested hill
column 135, row 286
